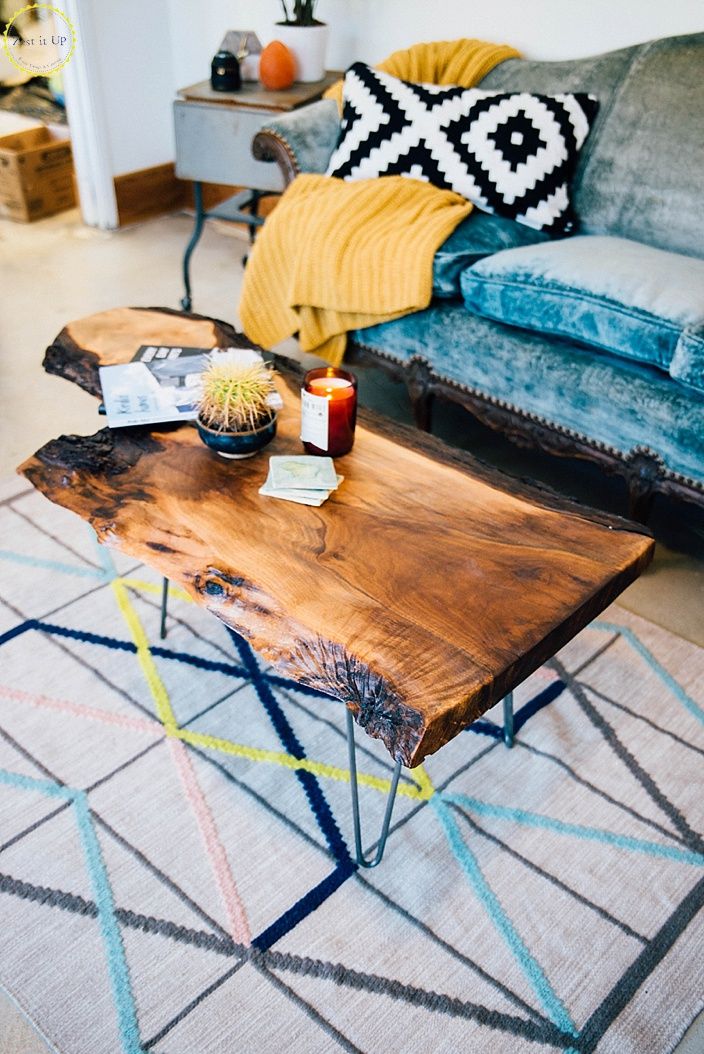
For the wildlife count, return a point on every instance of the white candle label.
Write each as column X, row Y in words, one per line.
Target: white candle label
column 314, row 419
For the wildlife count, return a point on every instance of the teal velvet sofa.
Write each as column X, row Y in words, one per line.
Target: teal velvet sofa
column 640, row 182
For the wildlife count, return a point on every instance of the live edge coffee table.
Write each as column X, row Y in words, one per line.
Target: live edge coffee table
column 420, row 594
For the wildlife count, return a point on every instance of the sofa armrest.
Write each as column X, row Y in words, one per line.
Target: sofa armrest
column 300, row 141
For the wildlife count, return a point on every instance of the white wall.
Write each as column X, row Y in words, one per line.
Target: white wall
column 370, row 29
column 135, row 50
column 541, row 29
column 131, row 62
column 197, row 28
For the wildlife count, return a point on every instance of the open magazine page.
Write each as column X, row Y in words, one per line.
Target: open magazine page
column 161, row 384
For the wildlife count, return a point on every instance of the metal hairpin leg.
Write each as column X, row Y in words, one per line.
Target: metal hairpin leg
column 164, row 602
column 508, row 719
column 381, row 844
column 186, row 300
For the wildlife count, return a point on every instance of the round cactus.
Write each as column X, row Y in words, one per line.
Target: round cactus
column 235, row 396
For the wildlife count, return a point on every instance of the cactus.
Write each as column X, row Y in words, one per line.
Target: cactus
column 235, row 396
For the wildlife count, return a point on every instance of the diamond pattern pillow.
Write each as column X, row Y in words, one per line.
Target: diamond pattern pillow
column 509, row 153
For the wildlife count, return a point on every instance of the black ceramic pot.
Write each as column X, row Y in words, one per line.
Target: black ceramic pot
column 225, row 72
column 238, row 445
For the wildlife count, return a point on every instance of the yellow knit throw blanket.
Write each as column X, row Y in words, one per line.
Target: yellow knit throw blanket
column 334, row 255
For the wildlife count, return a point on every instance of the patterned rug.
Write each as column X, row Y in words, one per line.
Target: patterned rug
column 175, row 827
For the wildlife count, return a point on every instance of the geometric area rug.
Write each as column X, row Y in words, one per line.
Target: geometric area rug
column 175, row 865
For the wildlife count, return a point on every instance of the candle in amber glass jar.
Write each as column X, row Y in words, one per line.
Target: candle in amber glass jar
column 328, row 411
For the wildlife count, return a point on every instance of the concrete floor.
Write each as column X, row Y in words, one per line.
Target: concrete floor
column 57, row 269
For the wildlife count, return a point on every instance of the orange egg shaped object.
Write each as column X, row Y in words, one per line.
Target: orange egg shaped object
column 277, row 66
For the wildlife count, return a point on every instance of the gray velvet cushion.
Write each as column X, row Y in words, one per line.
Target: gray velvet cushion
column 617, row 402
column 611, row 293
column 641, row 166
column 311, row 133
column 479, row 235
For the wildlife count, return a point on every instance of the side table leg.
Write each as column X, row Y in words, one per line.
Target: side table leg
column 253, row 206
column 164, row 602
column 195, row 238
column 381, row 845
column 508, row 720
column 254, row 211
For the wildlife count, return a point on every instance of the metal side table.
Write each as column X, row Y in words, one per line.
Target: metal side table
column 214, row 132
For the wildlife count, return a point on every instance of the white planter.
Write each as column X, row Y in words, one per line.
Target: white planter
column 308, row 45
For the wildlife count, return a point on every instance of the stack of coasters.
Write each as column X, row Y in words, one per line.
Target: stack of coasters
column 301, row 478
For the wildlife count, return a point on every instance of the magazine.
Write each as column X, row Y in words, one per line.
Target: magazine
column 161, row 384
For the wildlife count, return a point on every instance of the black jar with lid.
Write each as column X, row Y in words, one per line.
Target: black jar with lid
column 225, row 72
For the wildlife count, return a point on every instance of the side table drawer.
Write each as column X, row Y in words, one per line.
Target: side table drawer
column 214, row 145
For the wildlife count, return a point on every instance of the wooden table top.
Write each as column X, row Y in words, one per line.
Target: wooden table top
column 420, row 593
column 254, row 95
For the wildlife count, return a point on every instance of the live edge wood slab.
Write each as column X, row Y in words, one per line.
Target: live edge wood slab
column 425, row 589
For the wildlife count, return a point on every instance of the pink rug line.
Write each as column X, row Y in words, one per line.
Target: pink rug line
column 237, row 919
column 239, row 926
column 134, row 724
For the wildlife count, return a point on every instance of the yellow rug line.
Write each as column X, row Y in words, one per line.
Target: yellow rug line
column 175, row 592
column 317, row 768
column 166, row 715
column 144, row 656
column 427, row 789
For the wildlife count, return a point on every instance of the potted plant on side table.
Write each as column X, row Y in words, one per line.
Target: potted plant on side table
column 238, row 405
column 305, row 37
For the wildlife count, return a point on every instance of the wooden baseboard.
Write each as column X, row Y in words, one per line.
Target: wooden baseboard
column 156, row 191
column 149, row 192
column 213, row 194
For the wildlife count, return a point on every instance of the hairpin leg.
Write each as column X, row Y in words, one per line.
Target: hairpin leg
column 508, row 719
column 381, row 844
column 164, row 602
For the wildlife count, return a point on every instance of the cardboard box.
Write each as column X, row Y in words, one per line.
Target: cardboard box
column 36, row 174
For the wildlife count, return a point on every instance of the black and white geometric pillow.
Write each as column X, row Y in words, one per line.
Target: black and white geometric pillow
column 513, row 154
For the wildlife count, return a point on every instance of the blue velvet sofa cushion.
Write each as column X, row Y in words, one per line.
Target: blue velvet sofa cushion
column 610, row 293
column 619, row 403
column 479, row 235
column 687, row 363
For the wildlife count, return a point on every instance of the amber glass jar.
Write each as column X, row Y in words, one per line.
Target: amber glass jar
column 328, row 411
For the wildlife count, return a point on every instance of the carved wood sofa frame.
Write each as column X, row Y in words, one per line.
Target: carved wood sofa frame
column 643, row 471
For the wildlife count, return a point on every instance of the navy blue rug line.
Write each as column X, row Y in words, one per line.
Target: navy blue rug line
column 291, row 744
column 305, row 906
column 480, row 727
column 115, row 643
